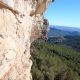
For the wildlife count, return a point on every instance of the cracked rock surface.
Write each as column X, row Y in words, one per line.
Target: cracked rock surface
column 16, row 26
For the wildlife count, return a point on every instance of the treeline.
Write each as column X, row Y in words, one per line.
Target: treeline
column 54, row 62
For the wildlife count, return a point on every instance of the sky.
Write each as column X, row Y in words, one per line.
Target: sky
column 64, row 13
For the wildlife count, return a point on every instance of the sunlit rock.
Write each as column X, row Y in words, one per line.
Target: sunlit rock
column 16, row 27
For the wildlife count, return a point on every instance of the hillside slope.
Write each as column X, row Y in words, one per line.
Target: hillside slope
column 62, row 31
column 54, row 62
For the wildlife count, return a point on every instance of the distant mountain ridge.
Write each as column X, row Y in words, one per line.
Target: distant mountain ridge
column 66, row 28
column 57, row 31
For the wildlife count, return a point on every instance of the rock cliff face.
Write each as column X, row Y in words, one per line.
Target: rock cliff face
column 18, row 21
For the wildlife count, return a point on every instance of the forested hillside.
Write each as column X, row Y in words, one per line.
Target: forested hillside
column 54, row 62
column 73, row 41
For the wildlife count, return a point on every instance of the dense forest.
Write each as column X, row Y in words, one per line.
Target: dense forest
column 73, row 41
column 54, row 61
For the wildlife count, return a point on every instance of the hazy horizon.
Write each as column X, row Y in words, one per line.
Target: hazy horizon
column 64, row 13
column 65, row 26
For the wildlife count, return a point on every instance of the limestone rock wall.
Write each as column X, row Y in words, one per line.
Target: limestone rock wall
column 16, row 26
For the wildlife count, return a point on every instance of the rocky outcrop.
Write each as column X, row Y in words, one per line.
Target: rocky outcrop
column 44, row 30
column 18, row 21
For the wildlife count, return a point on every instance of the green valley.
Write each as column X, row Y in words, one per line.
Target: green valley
column 54, row 61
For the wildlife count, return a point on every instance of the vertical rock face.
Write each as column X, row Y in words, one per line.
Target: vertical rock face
column 18, row 19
